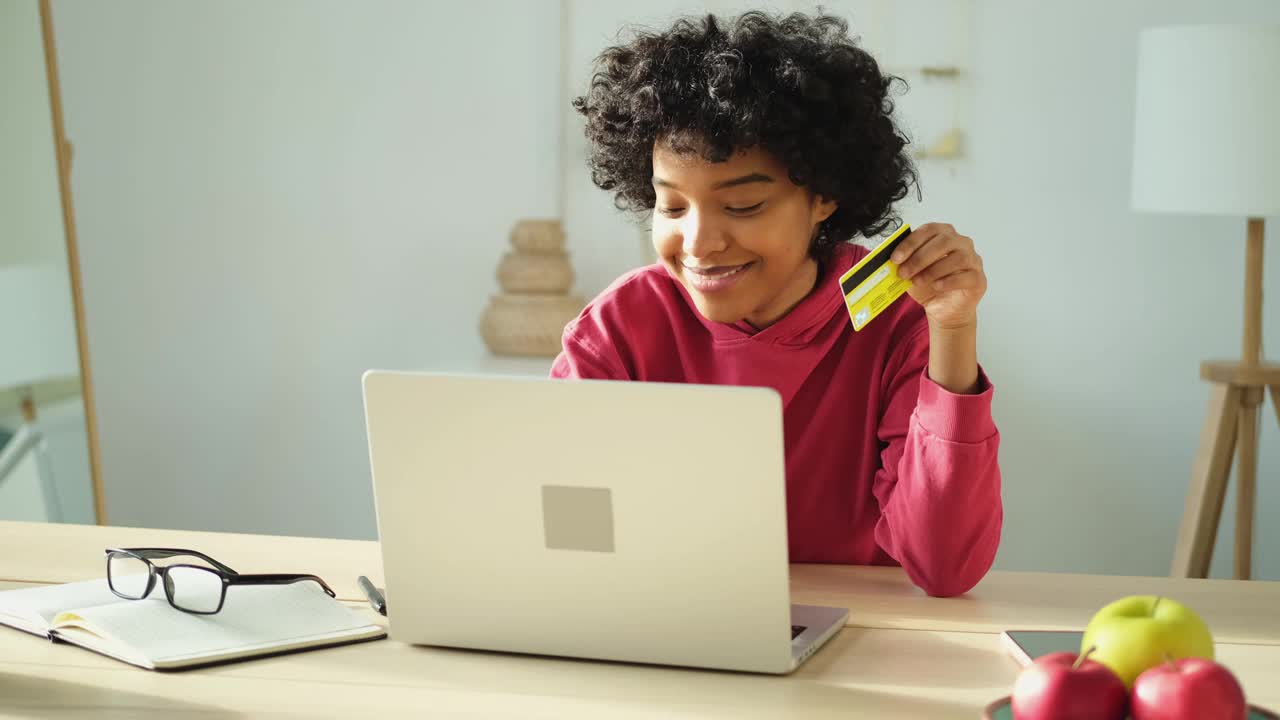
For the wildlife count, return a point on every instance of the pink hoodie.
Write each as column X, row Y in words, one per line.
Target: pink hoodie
column 884, row 466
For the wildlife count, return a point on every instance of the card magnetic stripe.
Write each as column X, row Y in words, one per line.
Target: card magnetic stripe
column 853, row 281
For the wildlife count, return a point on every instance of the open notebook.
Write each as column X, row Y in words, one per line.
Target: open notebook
column 256, row 620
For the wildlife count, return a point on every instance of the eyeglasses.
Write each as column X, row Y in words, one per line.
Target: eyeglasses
column 190, row 588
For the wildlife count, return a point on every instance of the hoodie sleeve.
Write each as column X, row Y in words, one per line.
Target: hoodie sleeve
column 588, row 352
column 939, row 483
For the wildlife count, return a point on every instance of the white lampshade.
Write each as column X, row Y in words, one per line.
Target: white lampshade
column 37, row 327
column 1207, row 127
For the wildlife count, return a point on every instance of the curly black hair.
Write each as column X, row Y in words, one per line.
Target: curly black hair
column 795, row 85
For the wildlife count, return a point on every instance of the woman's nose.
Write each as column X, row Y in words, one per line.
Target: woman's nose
column 700, row 236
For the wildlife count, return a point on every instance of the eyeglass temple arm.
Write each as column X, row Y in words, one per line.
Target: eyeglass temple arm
column 278, row 579
column 159, row 553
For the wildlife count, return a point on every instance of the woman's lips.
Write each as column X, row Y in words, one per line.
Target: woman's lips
column 714, row 279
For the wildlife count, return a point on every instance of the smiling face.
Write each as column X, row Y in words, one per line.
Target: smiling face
column 736, row 233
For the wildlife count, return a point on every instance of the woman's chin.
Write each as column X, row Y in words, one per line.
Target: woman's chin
column 717, row 310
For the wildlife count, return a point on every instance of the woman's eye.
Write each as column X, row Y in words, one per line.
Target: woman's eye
column 746, row 210
column 671, row 211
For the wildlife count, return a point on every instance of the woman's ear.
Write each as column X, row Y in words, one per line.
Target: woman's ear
column 822, row 209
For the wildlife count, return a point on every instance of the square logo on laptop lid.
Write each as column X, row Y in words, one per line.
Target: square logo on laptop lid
column 577, row 518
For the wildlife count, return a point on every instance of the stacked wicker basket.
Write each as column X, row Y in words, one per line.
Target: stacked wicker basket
column 528, row 317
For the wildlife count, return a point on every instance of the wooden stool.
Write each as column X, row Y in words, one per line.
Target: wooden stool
column 1230, row 428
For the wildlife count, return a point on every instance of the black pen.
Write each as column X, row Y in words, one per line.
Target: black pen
column 376, row 600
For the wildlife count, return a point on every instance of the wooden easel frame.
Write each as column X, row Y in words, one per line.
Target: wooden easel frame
column 1230, row 429
column 62, row 148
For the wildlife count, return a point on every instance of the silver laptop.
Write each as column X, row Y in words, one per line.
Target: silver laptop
column 634, row 522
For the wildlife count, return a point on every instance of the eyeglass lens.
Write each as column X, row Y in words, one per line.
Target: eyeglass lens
column 195, row 589
column 128, row 575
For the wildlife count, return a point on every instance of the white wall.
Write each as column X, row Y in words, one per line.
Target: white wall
column 30, row 213
column 272, row 200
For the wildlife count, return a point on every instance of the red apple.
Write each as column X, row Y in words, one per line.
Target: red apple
column 1188, row 689
column 1061, row 686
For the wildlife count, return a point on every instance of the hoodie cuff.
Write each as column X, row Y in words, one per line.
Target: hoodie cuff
column 955, row 417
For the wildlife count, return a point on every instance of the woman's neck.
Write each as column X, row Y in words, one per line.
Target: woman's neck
column 802, row 283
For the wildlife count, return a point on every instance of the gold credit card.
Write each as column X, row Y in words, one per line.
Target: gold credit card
column 873, row 284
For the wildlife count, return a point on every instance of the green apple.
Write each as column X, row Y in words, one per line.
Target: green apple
column 1135, row 633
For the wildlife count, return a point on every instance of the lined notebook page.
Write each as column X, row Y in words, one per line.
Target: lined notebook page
column 253, row 616
column 47, row 601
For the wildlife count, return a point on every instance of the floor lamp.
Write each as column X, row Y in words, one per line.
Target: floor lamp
column 1207, row 141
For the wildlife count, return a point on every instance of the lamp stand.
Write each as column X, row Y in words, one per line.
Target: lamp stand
column 29, row 439
column 1231, row 428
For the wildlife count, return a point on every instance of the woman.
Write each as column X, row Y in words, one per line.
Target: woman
column 762, row 147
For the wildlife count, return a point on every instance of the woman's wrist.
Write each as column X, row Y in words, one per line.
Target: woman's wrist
column 953, row 357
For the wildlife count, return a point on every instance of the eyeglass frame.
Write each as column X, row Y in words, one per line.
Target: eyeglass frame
column 228, row 576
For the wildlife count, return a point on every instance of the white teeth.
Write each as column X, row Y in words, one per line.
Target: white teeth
column 723, row 273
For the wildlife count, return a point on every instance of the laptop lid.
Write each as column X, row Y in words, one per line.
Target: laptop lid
column 640, row 522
